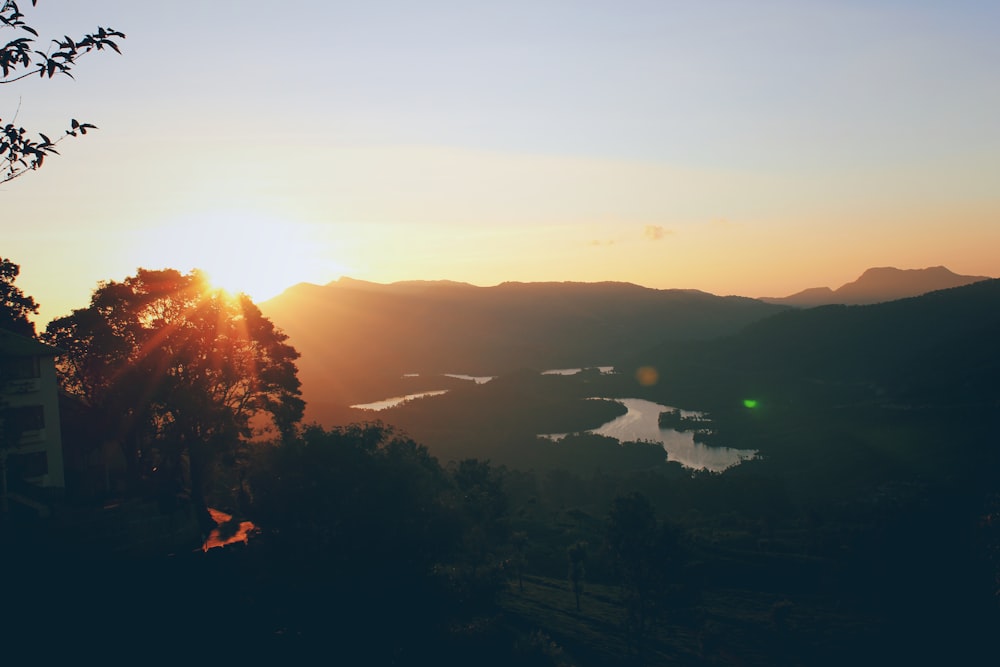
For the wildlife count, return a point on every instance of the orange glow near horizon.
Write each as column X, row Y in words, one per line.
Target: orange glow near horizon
column 239, row 252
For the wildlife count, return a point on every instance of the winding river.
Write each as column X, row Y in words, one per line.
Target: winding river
column 641, row 424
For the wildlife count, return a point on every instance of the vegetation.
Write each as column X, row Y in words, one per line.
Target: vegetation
column 15, row 307
column 866, row 532
column 176, row 373
column 577, row 556
column 20, row 59
column 368, row 522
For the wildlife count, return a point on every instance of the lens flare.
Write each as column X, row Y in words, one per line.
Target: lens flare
column 647, row 376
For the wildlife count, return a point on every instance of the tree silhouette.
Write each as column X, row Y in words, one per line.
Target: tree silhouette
column 642, row 550
column 362, row 519
column 519, row 545
column 482, row 501
column 177, row 372
column 18, row 60
column 577, row 555
column 15, row 307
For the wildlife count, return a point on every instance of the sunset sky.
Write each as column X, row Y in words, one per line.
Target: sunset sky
column 754, row 148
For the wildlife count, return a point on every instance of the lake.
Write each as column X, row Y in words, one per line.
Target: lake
column 641, row 424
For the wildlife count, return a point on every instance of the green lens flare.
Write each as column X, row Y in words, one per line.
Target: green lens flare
column 749, row 403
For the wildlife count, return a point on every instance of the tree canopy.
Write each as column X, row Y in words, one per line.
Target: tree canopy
column 644, row 552
column 176, row 371
column 20, row 59
column 366, row 521
column 15, row 306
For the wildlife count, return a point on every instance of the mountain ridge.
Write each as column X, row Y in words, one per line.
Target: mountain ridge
column 357, row 338
column 938, row 348
column 878, row 285
column 874, row 285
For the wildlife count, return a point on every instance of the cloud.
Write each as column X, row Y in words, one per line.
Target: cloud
column 655, row 232
column 599, row 242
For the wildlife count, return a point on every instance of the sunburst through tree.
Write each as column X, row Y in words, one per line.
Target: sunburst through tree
column 177, row 373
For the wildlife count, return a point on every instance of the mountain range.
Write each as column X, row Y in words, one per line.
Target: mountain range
column 362, row 341
column 357, row 338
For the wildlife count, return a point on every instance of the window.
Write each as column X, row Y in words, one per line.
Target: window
column 26, row 466
column 26, row 417
column 19, row 368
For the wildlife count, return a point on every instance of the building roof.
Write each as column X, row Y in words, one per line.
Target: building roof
column 13, row 345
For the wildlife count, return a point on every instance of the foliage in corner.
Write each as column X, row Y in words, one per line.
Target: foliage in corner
column 15, row 306
column 19, row 59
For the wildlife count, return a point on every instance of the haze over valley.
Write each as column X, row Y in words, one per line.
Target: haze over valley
column 363, row 342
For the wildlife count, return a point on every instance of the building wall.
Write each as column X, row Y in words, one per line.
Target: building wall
column 41, row 393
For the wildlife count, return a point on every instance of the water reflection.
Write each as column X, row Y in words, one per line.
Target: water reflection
column 641, row 423
column 478, row 379
column 397, row 400
column 605, row 370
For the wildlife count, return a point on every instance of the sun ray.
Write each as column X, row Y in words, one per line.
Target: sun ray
column 241, row 251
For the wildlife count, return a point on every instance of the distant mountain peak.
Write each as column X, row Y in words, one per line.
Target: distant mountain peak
column 891, row 272
column 878, row 284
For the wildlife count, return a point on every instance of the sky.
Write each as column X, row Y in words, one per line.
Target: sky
column 753, row 148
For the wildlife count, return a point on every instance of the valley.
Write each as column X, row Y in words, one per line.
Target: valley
column 868, row 440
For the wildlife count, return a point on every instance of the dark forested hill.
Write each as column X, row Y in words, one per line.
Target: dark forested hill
column 353, row 335
column 939, row 348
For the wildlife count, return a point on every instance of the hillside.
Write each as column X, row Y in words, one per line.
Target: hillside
column 358, row 338
column 878, row 285
column 938, row 348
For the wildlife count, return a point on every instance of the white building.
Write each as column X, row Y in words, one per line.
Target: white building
column 30, row 436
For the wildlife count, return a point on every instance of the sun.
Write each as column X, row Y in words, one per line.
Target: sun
column 243, row 252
